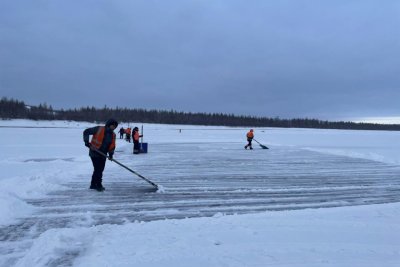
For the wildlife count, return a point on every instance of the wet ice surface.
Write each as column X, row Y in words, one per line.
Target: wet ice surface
column 202, row 179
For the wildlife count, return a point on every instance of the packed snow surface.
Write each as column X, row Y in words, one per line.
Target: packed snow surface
column 315, row 198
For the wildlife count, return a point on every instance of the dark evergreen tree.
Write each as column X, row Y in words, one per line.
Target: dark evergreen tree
column 12, row 109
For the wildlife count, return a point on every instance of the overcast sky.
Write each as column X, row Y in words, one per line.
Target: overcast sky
column 290, row 58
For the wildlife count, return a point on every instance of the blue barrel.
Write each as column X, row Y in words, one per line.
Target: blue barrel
column 143, row 147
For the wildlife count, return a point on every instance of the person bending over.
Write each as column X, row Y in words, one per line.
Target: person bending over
column 103, row 139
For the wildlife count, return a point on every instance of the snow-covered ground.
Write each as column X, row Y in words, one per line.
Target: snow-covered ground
column 40, row 158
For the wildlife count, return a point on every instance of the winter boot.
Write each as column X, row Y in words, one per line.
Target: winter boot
column 92, row 186
column 100, row 188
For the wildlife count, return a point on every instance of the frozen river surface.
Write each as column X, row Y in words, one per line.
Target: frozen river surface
column 201, row 179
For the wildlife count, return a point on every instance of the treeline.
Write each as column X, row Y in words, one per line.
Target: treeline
column 13, row 109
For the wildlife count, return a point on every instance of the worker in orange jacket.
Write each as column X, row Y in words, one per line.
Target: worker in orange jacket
column 136, row 136
column 103, row 140
column 128, row 132
column 250, row 136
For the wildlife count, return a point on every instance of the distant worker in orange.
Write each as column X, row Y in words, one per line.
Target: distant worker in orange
column 128, row 133
column 136, row 136
column 250, row 136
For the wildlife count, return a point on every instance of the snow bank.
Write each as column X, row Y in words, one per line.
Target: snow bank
column 36, row 161
column 347, row 236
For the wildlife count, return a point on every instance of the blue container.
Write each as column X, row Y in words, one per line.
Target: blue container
column 143, row 147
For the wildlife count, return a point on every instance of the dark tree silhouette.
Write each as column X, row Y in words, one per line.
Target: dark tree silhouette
column 12, row 109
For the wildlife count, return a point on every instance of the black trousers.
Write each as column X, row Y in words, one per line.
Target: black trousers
column 249, row 144
column 98, row 164
column 136, row 147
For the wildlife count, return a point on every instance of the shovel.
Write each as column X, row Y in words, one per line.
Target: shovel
column 261, row 145
column 122, row 165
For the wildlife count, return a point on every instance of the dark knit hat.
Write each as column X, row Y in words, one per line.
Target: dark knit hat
column 111, row 122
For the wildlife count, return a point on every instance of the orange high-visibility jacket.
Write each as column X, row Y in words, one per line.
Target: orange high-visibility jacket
column 136, row 136
column 98, row 137
column 128, row 131
column 250, row 135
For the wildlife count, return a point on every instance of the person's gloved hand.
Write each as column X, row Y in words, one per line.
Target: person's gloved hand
column 110, row 157
column 87, row 144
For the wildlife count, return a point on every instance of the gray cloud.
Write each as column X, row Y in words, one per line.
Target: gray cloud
column 288, row 58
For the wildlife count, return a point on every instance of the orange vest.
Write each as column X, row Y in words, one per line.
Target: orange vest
column 128, row 131
column 250, row 135
column 136, row 136
column 98, row 137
